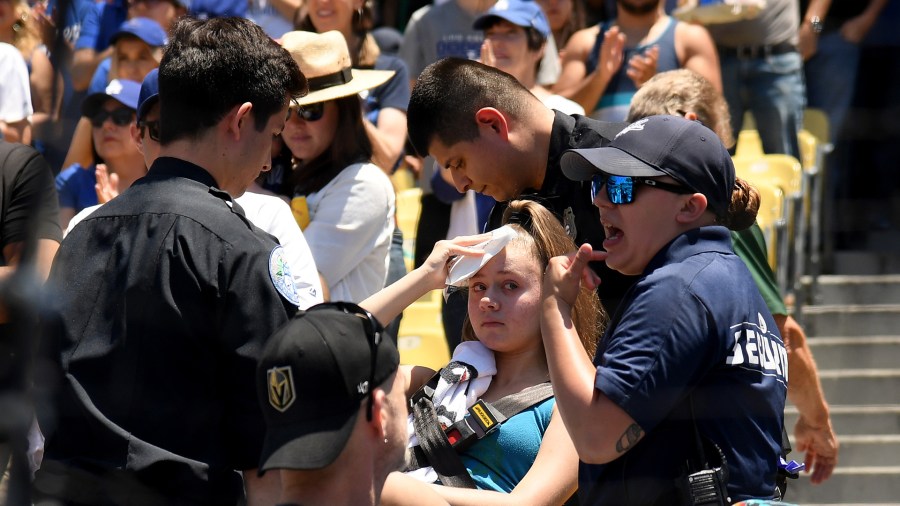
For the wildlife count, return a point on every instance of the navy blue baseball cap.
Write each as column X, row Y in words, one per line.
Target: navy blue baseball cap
column 123, row 90
column 523, row 13
column 662, row 145
column 149, row 93
column 145, row 29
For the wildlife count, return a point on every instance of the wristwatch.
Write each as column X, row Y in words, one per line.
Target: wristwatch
column 816, row 24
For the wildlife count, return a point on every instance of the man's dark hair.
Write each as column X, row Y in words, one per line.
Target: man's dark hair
column 211, row 66
column 449, row 92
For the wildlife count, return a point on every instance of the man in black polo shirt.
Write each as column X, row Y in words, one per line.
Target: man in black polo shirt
column 498, row 139
column 166, row 295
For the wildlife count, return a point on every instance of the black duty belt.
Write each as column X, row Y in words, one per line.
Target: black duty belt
column 749, row 52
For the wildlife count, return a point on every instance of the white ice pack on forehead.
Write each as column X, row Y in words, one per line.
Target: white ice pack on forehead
column 464, row 267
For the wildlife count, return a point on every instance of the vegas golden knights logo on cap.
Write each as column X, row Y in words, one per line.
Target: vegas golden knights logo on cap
column 281, row 388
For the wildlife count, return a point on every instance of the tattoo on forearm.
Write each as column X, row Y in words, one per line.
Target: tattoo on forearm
column 629, row 438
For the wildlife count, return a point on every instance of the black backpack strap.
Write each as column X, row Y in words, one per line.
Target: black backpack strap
column 435, row 445
column 440, row 448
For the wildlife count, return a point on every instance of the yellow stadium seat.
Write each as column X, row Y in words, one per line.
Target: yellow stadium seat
column 809, row 146
column 409, row 205
column 785, row 173
column 748, row 144
column 403, row 179
column 816, row 122
column 772, row 222
column 808, row 226
column 421, row 339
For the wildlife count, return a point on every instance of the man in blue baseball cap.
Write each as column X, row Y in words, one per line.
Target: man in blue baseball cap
column 515, row 37
column 137, row 48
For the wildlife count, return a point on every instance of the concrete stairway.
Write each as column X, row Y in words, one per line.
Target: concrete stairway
column 854, row 329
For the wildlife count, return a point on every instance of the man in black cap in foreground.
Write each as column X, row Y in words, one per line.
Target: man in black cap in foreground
column 334, row 404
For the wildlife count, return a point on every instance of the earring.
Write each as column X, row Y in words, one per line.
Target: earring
column 359, row 12
column 385, row 441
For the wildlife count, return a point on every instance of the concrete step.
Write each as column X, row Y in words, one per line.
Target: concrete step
column 855, row 290
column 863, row 450
column 866, row 262
column 861, row 352
column 855, row 420
column 851, row 320
column 849, row 485
column 861, row 386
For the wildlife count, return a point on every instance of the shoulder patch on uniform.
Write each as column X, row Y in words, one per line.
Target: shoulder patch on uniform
column 280, row 274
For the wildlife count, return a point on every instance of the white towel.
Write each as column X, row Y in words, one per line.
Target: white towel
column 464, row 267
column 463, row 381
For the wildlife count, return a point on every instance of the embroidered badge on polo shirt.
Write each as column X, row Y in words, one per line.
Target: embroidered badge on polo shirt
column 280, row 273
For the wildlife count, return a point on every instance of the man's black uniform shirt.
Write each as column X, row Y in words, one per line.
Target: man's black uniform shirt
column 164, row 299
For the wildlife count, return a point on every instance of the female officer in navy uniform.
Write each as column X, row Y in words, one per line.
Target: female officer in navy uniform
column 166, row 295
column 692, row 361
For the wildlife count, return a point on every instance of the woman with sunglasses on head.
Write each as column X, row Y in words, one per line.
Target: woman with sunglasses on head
column 111, row 114
column 385, row 105
column 690, row 375
column 529, row 458
column 342, row 201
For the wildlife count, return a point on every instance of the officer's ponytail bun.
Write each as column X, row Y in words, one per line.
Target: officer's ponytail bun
column 744, row 206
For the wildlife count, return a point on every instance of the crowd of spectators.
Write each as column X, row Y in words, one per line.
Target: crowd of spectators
column 483, row 101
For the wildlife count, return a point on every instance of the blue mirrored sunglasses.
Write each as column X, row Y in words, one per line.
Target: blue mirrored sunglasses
column 620, row 189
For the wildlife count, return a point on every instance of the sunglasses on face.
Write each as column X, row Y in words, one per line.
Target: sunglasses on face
column 309, row 112
column 374, row 332
column 120, row 117
column 152, row 128
column 620, row 189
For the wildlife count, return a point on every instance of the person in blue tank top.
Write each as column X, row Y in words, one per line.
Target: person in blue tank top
column 604, row 65
column 529, row 457
column 691, row 373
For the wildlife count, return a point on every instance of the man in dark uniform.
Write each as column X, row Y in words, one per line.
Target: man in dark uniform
column 498, row 139
column 166, row 295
